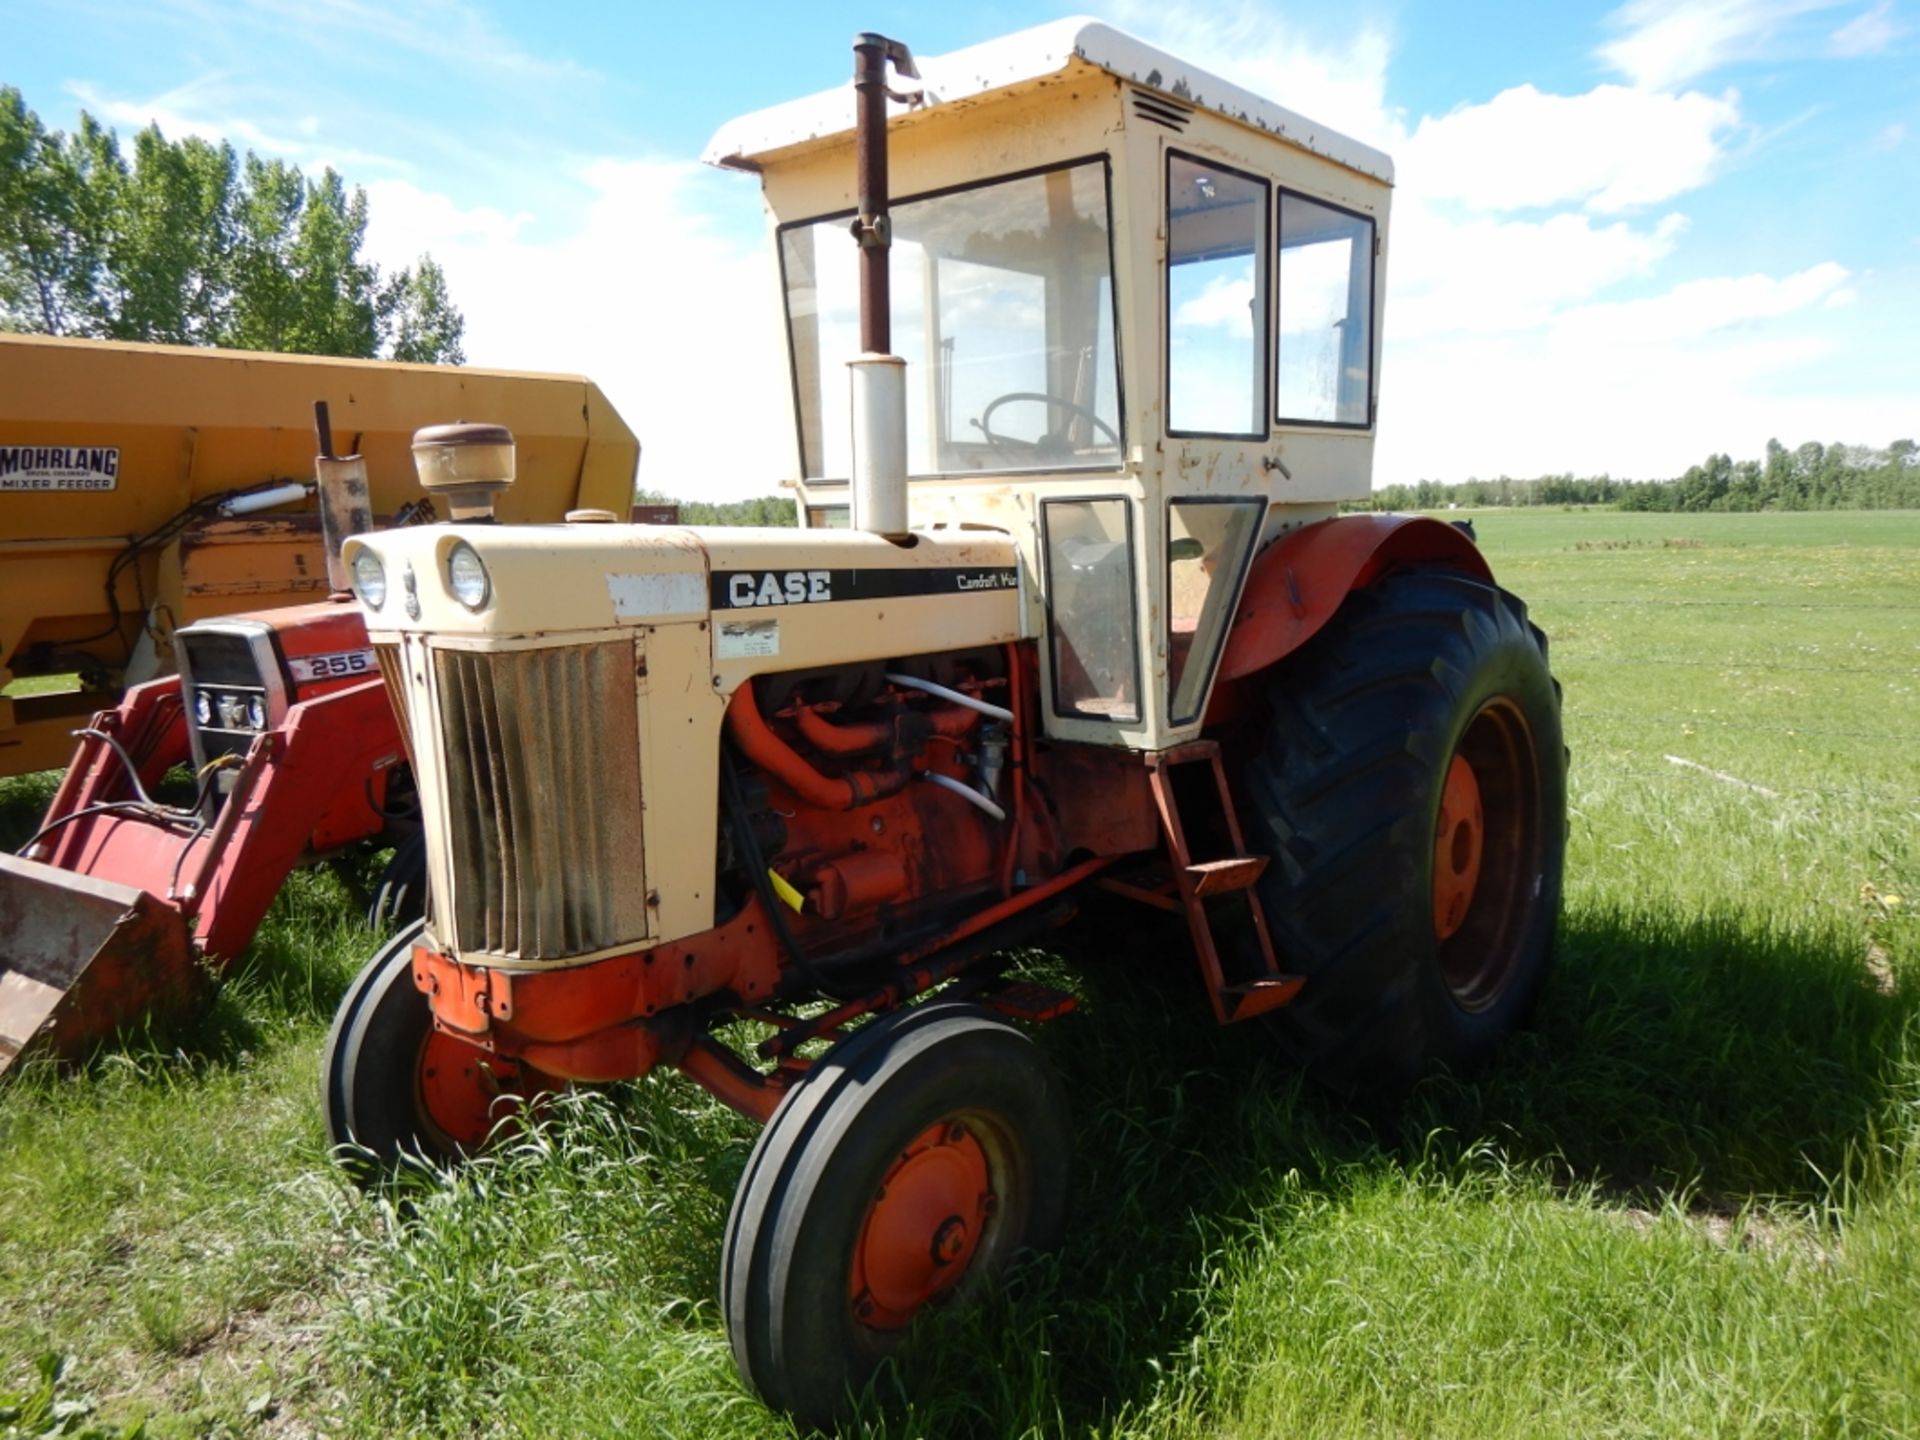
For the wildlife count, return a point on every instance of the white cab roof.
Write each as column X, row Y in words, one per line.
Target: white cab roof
column 1032, row 55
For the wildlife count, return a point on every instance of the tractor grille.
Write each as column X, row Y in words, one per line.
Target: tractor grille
column 393, row 671
column 542, row 768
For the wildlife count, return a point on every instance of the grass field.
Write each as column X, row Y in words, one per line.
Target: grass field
column 1686, row 1203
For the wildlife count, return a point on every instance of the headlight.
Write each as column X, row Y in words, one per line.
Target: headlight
column 466, row 575
column 256, row 713
column 202, row 707
column 369, row 578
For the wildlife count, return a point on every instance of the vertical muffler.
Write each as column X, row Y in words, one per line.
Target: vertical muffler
column 340, row 482
column 878, row 377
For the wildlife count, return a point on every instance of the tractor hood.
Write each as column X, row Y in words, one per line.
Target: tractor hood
column 552, row 579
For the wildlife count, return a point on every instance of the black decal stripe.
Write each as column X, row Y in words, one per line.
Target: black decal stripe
column 858, row 584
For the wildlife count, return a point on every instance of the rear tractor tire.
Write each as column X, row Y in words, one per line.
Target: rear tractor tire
column 392, row 1085
column 909, row 1169
column 1410, row 788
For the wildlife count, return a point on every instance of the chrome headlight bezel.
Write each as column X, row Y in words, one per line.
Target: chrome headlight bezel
column 467, row 577
column 369, row 577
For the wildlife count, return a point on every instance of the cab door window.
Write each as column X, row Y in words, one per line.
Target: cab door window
column 1216, row 300
column 1093, row 639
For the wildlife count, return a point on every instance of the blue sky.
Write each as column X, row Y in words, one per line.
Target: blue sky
column 1624, row 235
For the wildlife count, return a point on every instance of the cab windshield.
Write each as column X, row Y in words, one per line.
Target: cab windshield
column 1003, row 309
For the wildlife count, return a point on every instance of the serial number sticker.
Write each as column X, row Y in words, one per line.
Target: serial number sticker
column 745, row 639
column 59, row 467
column 338, row 665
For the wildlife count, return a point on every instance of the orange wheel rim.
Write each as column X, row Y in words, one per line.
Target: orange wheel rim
column 1459, row 837
column 922, row 1226
column 1488, row 846
column 458, row 1088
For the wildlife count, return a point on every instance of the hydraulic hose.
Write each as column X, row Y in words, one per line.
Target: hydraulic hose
column 767, row 750
column 957, row 697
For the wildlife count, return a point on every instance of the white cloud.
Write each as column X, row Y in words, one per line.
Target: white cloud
column 1669, row 42
column 1639, row 388
column 650, row 288
column 1609, row 149
column 1868, row 33
column 206, row 109
column 1483, row 276
column 398, row 210
column 1698, row 309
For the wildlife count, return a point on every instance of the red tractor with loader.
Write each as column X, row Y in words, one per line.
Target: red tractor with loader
column 1084, row 352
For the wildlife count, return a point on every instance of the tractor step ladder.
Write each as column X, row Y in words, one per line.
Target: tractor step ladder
column 1193, row 883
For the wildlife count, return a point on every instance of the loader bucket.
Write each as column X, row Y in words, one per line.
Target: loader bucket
column 81, row 957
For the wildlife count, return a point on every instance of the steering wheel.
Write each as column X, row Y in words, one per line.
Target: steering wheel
column 1051, row 446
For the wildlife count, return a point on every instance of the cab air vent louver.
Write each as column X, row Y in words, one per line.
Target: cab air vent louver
column 1161, row 111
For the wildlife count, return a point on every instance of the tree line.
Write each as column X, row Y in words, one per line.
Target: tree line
column 184, row 242
column 766, row 510
column 1811, row 477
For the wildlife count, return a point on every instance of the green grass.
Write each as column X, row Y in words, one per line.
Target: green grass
column 1686, row 1202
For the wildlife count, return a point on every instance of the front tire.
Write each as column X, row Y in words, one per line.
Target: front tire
column 909, row 1169
column 1411, row 790
column 392, row 1084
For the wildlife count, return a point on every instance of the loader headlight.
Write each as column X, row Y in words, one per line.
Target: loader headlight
column 256, row 713
column 369, row 578
column 467, row 575
column 202, row 707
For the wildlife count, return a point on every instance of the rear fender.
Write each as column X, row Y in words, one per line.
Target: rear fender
column 1298, row 583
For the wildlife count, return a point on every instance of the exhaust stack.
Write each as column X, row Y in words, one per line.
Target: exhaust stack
column 340, row 481
column 878, row 377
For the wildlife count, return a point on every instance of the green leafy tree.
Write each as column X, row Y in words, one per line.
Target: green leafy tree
column 422, row 318
column 184, row 243
column 773, row 510
column 51, row 249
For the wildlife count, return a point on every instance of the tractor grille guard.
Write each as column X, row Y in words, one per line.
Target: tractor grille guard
column 539, row 794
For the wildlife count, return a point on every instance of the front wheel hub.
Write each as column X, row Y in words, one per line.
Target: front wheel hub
column 922, row 1227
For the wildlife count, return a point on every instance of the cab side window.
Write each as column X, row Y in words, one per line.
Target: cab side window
column 1325, row 345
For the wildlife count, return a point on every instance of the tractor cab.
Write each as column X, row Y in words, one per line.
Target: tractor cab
column 1138, row 309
